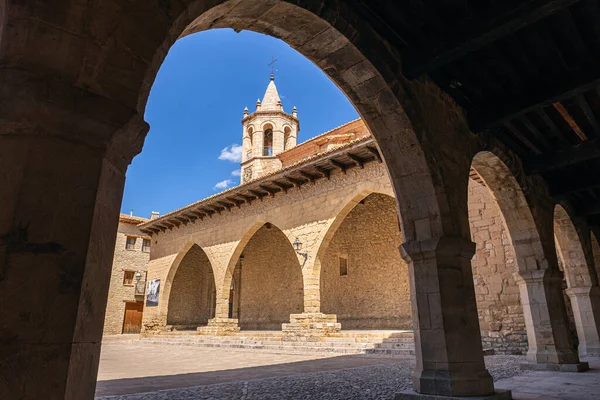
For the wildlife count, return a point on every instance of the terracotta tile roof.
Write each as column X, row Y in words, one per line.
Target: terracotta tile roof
column 131, row 219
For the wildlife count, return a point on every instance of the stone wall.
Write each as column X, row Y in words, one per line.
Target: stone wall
column 119, row 293
column 375, row 292
column 271, row 282
column 596, row 253
column 498, row 300
column 192, row 299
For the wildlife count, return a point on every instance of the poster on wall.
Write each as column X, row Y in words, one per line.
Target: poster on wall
column 152, row 296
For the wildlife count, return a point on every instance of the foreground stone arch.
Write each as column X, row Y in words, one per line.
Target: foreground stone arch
column 539, row 282
column 582, row 283
column 108, row 74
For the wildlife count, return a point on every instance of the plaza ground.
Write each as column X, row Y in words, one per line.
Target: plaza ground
column 133, row 370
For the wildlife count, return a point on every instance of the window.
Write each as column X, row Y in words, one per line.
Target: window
column 146, row 246
column 128, row 278
column 343, row 266
column 268, row 143
column 130, row 244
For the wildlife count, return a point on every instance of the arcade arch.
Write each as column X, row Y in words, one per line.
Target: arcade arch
column 541, row 297
column 267, row 284
column 363, row 279
column 192, row 297
column 428, row 207
column 581, row 282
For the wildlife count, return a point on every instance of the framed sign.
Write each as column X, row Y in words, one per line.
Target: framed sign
column 152, row 294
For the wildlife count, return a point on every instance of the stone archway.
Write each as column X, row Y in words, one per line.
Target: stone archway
column 363, row 279
column 540, row 293
column 582, row 283
column 191, row 301
column 268, row 283
column 109, row 88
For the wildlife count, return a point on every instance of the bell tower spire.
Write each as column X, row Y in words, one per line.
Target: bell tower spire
column 267, row 132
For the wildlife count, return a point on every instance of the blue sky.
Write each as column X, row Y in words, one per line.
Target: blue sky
column 195, row 111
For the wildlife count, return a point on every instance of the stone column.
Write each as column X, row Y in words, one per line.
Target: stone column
column 550, row 344
column 446, row 326
column 586, row 309
column 62, row 179
column 221, row 324
column 312, row 322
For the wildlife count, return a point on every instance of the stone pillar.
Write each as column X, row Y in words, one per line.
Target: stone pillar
column 62, row 179
column 446, row 326
column 550, row 344
column 221, row 324
column 586, row 309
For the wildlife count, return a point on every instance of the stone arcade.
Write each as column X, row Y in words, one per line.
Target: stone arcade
column 506, row 88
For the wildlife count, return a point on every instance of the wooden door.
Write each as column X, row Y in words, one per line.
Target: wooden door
column 133, row 317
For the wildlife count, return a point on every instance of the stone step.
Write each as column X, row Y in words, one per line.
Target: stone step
column 394, row 344
column 292, row 349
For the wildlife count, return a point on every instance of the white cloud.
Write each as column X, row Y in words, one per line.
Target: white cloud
column 232, row 153
column 223, row 184
column 236, row 172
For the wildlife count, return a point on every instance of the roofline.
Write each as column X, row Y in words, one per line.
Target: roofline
column 361, row 142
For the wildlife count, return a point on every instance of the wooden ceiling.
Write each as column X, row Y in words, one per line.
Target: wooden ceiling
column 527, row 72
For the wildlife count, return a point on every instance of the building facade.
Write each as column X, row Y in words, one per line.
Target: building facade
column 309, row 243
column 128, row 278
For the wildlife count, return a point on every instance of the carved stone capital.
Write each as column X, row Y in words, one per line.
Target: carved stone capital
column 439, row 248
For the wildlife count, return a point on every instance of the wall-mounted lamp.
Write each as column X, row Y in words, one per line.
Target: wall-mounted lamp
column 298, row 246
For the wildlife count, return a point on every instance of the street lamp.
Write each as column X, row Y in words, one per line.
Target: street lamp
column 298, row 246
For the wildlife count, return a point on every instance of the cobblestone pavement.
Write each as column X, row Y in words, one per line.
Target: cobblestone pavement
column 136, row 371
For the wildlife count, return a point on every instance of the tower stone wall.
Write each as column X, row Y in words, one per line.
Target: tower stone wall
column 267, row 132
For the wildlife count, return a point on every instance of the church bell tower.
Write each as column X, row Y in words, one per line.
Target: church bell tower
column 267, row 132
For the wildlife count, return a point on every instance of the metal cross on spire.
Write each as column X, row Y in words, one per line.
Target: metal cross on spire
column 272, row 65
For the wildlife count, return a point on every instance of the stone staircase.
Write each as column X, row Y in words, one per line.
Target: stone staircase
column 384, row 343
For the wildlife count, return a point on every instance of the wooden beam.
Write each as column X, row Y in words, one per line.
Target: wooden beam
column 282, row 186
column 543, row 94
column 343, row 167
column 539, row 137
column 552, row 126
column 496, row 23
column 569, row 120
column 248, row 199
column 294, row 181
column 323, row 171
column 209, row 211
column 228, row 206
column 375, row 152
column 235, row 201
column 258, row 194
column 593, row 209
column 517, row 133
column 589, row 114
column 183, row 220
column 308, row 176
column 271, row 191
column 359, row 160
column 578, row 183
column 585, row 151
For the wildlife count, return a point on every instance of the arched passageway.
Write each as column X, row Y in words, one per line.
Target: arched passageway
column 192, row 297
column 267, row 282
column 581, row 283
column 537, row 277
column 364, row 281
column 494, row 264
column 106, row 130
